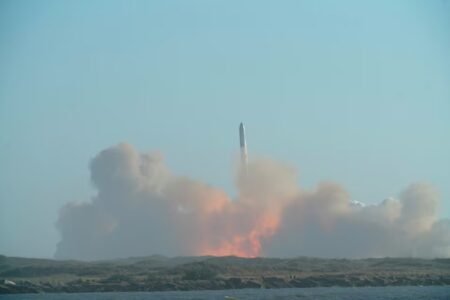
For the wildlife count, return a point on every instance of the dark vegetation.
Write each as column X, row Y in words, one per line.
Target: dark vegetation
column 158, row 273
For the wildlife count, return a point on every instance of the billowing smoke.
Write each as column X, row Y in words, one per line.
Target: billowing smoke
column 141, row 208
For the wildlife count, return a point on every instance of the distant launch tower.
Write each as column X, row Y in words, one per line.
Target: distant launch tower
column 243, row 144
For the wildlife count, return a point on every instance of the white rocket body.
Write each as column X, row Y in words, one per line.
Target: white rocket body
column 243, row 144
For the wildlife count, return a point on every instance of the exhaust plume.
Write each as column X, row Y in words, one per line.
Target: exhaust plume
column 142, row 208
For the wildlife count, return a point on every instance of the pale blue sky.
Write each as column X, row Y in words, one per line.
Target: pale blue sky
column 352, row 91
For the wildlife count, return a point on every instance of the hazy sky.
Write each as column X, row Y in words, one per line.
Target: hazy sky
column 356, row 92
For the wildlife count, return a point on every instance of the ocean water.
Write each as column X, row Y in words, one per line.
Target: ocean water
column 366, row 293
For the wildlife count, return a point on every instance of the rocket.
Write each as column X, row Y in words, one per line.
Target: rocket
column 243, row 144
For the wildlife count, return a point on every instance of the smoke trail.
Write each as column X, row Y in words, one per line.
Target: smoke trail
column 141, row 208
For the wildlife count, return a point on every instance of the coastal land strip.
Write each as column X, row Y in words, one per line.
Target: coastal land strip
column 159, row 273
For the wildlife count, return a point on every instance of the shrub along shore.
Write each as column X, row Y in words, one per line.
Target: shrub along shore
column 159, row 273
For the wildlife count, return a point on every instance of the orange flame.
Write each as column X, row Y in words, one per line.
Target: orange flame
column 246, row 244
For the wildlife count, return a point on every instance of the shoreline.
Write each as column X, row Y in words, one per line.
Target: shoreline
column 156, row 273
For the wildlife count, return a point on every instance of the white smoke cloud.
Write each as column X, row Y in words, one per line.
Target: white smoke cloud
column 141, row 208
column 326, row 223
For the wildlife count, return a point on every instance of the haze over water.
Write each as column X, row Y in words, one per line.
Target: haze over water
column 373, row 293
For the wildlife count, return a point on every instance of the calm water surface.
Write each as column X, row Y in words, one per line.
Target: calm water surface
column 370, row 293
